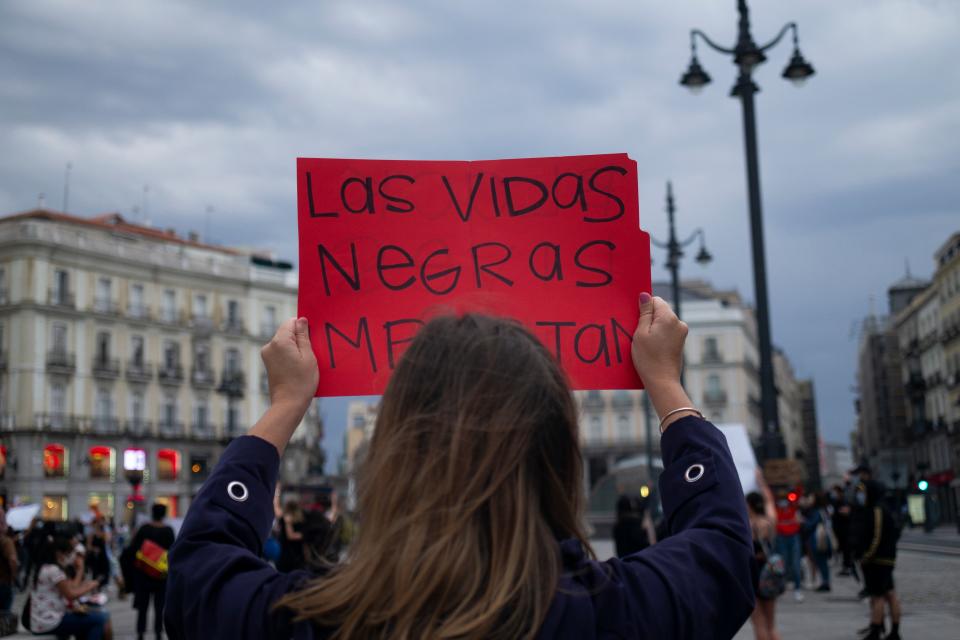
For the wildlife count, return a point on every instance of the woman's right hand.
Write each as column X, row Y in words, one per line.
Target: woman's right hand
column 657, row 348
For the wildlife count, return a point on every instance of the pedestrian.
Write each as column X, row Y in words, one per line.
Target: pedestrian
column 52, row 592
column 98, row 558
column 877, row 550
column 768, row 579
column 151, row 543
column 9, row 566
column 788, row 540
column 633, row 530
column 841, row 529
column 291, row 537
column 470, row 505
column 818, row 533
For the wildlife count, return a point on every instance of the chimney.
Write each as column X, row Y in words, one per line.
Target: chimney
column 193, row 236
column 171, row 232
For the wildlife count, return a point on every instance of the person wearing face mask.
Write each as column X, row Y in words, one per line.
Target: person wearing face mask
column 876, row 547
column 51, row 590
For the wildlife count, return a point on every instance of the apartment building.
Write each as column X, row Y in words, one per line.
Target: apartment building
column 128, row 351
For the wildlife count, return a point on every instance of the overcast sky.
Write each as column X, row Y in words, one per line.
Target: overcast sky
column 210, row 103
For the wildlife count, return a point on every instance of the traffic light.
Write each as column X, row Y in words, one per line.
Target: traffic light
column 792, row 496
column 923, row 485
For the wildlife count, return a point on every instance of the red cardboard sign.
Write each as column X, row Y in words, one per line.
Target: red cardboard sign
column 552, row 242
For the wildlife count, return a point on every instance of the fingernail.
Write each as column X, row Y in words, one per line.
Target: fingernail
column 301, row 323
column 645, row 297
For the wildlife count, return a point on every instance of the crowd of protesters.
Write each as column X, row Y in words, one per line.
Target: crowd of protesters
column 68, row 567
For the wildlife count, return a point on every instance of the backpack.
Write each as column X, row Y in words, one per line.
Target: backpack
column 773, row 575
column 823, row 536
column 151, row 559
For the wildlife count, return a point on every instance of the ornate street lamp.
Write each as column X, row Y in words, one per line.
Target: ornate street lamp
column 747, row 56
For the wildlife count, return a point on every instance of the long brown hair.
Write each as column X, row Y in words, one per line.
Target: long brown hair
column 473, row 474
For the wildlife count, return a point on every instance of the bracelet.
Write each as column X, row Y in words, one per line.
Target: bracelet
column 670, row 413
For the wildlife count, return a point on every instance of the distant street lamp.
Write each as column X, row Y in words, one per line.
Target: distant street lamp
column 675, row 248
column 747, row 56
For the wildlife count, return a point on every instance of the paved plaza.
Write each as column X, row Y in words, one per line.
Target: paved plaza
column 927, row 573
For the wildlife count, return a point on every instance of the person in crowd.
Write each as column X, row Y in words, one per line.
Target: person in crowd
column 291, row 537
column 633, row 530
column 876, row 547
column 841, row 528
column 9, row 564
column 98, row 554
column 788, row 540
column 342, row 529
column 53, row 595
column 762, row 511
column 33, row 540
column 470, row 501
column 818, row 536
column 149, row 585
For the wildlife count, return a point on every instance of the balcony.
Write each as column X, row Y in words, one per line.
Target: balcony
column 139, row 371
column 201, row 324
column 56, row 421
column 105, row 368
column 169, row 316
column 267, row 329
column 712, row 357
column 916, row 386
column 137, row 311
column 171, row 374
column 233, row 326
column 170, row 429
column 232, row 383
column 202, row 377
column 61, row 362
column 202, row 431
column 594, row 401
column 4, row 295
column 138, row 427
column 622, row 401
column 3, row 361
column 264, row 384
column 62, row 299
column 715, row 398
column 105, row 425
column 105, row 307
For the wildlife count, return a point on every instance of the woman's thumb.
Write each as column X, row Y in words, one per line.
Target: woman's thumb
column 301, row 332
column 646, row 309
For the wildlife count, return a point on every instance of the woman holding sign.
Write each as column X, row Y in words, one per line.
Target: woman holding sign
column 471, row 507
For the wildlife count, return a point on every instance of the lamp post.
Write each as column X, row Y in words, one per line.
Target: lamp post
column 747, row 55
column 674, row 249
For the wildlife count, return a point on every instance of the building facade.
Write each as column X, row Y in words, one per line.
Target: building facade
column 129, row 349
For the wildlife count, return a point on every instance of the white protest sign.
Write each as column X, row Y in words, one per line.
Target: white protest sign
column 742, row 452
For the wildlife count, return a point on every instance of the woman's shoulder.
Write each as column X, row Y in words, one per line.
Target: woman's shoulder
column 51, row 573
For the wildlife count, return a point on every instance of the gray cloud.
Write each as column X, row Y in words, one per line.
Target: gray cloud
column 210, row 103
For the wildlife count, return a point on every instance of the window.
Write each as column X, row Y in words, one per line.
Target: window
column 232, row 360
column 168, row 464
column 58, row 403
column 101, row 504
column 103, row 346
column 168, row 411
column 104, row 405
column 59, row 338
column 624, row 428
column 171, row 354
column 137, row 307
column 710, row 351
column 136, row 350
column 102, row 302
column 3, row 285
column 269, row 321
column 102, row 461
column 713, row 384
column 136, row 407
column 201, row 356
column 170, row 502
column 169, row 309
column 55, row 461
column 200, row 306
column 61, row 286
column 233, row 418
column 201, row 414
column 233, row 313
column 596, row 428
column 54, row 508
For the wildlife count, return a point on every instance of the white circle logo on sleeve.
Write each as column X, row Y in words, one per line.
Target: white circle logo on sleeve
column 237, row 491
column 694, row 473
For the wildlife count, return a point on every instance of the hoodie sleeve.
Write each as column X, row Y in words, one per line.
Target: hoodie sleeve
column 218, row 584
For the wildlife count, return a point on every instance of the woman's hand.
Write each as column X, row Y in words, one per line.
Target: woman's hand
column 657, row 352
column 291, row 366
column 293, row 376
